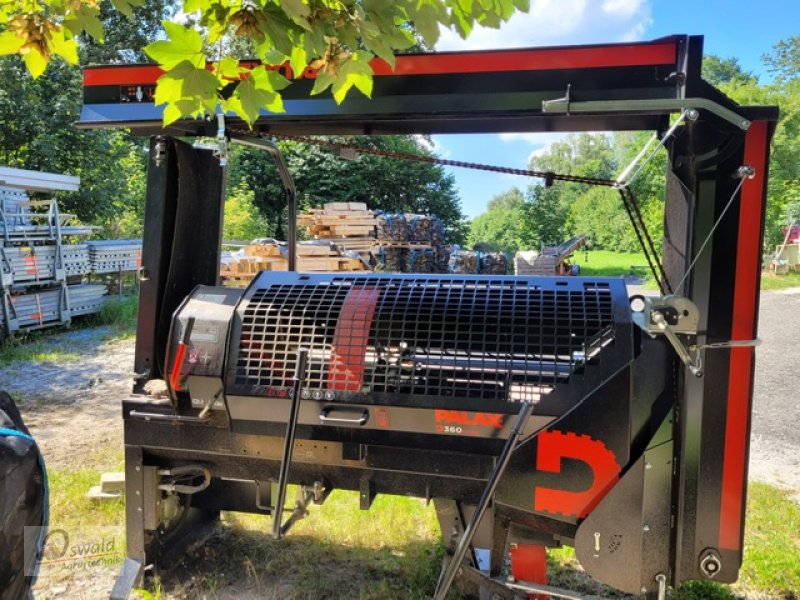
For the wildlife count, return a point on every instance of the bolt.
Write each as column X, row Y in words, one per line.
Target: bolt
column 648, row 465
column 646, row 528
column 138, row 468
column 710, row 563
column 643, row 590
column 692, row 114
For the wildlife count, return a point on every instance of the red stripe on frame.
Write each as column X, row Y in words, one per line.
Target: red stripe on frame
column 745, row 303
column 629, row 55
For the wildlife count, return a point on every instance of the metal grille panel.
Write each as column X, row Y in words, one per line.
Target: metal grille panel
column 443, row 337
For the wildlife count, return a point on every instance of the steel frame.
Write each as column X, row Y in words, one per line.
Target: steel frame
column 683, row 457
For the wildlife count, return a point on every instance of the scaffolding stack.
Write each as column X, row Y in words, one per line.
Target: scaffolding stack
column 40, row 275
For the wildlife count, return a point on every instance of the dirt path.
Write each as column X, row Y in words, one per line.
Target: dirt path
column 72, row 406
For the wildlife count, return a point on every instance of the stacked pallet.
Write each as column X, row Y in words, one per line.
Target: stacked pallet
column 473, row 262
column 270, row 255
column 49, row 306
column 410, row 243
column 524, row 261
column 113, row 256
column 85, row 299
column 35, row 263
column 24, row 221
column 349, row 224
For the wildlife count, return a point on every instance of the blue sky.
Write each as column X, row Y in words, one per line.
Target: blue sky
column 744, row 29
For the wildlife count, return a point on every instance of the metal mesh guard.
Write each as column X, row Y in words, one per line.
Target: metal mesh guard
column 446, row 337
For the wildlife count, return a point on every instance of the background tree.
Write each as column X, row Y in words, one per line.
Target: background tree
column 321, row 176
column 38, row 131
column 243, row 221
column 502, row 227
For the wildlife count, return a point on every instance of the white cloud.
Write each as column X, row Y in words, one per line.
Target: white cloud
column 624, row 8
column 557, row 22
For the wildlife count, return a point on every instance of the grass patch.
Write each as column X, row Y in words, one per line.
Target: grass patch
column 69, row 506
column 339, row 551
column 770, row 281
column 119, row 313
column 36, row 346
column 395, row 550
column 772, row 543
column 607, row 263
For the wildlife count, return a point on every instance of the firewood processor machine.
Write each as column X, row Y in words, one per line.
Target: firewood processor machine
column 533, row 411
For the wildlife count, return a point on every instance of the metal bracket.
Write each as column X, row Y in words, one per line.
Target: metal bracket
column 565, row 106
column 670, row 316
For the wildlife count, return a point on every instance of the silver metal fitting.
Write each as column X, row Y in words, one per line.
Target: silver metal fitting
column 745, row 171
column 160, row 151
column 710, row 563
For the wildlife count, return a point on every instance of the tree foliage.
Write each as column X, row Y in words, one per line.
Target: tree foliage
column 38, row 126
column 243, row 221
column 502, row 227
column 549, row 215
column 332, row 41
column 321, row 176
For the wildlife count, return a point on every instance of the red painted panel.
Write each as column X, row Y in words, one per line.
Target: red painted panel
column 552, row 447
column 745, row 302
column 348, row 351
column 544, row 59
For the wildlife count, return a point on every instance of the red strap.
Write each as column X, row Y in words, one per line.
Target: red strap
column 348, row 351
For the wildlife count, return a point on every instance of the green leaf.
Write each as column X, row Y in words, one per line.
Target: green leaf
column 35, row 62
column 123, row 6
column 10, row 43
column 322, row 83
column 171, row 114
column 277, row 81
column 298, row 11
column 274, row 23
column 354, row 72
column 89, row 22
column 247, row 101
column 229, row 68
column 184, row 45
column 427, row 24
column 298, row 60
column 65, row 47
column 190, row 6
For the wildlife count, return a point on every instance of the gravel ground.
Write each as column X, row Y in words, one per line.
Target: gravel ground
column 775, row 442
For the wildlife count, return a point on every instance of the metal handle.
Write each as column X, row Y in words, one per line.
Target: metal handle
column 360, row 420
column 149, row 416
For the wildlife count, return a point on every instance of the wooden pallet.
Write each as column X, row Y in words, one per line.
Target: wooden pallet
column 339, row 220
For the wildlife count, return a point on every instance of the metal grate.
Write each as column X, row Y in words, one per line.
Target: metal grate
column 442, row 337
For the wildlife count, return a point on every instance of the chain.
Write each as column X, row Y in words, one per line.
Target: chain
column 628, row 197
column 548, row 176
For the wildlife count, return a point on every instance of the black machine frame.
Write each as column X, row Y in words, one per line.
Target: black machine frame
column 683, row 483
